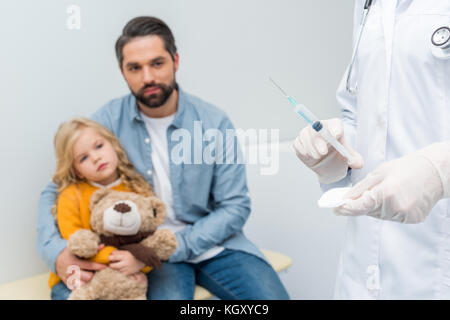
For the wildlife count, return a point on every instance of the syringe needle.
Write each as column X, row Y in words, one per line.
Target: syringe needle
column 307, row 115
column 312, row 120
column 282, row 91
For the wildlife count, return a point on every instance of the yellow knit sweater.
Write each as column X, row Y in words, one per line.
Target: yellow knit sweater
column 73, row 214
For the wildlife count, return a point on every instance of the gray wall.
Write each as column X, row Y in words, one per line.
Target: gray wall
column 228, row 49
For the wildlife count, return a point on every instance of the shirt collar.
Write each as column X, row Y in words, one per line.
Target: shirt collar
column 179, row 115
column 109, row 186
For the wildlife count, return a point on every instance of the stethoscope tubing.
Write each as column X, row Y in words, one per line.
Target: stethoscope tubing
column 349, row 88
column 443, row 54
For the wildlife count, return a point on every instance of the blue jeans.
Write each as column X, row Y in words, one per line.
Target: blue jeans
column 60, row 292
column 230, row 275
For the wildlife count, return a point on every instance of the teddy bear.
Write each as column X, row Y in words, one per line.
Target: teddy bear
column 126, row 221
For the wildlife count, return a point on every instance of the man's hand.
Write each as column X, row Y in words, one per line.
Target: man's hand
column 66, row 260
column 125, row 262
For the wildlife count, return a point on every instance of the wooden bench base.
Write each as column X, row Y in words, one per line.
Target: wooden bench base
column 36, row 288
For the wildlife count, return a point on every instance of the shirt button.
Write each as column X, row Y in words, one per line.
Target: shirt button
column 147, row 140
column 149, row 172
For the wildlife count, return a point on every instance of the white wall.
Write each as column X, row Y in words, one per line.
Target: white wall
column 228, row 49
column 285, row 218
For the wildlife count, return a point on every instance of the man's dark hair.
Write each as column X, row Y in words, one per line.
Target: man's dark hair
column 145, row 26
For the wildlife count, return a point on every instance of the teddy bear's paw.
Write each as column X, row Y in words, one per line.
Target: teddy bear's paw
column 164, row 243
column 84, row 243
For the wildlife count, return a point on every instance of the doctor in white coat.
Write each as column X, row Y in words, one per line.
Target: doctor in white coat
column 396, row 121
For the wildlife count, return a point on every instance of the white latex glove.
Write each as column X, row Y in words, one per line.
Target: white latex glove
column 313, row 150
column 403, row 190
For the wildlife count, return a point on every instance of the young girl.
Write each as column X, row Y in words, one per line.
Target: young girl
column 89, row 157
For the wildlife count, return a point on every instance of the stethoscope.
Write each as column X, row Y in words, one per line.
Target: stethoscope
column 440, row 45
column 349, row 87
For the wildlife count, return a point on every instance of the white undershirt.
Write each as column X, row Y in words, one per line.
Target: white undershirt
column 157, row 130
column 109, row 186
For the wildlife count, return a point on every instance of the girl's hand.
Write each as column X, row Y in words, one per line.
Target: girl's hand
column 125, row 262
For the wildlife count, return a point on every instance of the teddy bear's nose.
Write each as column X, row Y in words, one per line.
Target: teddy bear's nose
column 122, row 207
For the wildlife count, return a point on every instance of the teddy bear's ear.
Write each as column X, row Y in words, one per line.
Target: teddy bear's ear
column 97, row 196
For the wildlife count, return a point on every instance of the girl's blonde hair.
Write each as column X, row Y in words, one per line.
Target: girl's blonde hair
column 68, row 133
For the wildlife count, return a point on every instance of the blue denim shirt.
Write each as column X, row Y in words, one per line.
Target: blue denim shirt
column 211, row 198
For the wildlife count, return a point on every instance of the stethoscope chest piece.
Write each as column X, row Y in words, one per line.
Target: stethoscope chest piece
column 440, row 43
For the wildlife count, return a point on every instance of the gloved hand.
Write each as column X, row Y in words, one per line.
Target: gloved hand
column 312, row 149
column 403, row 190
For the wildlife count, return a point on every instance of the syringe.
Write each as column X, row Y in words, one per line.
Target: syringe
column 313, row 121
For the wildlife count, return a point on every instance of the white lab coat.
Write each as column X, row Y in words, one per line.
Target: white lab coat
column 403, row 104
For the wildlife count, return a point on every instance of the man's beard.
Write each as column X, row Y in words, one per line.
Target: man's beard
column 155, row 100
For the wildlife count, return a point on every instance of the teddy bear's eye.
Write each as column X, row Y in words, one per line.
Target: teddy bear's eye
column 154, row 213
